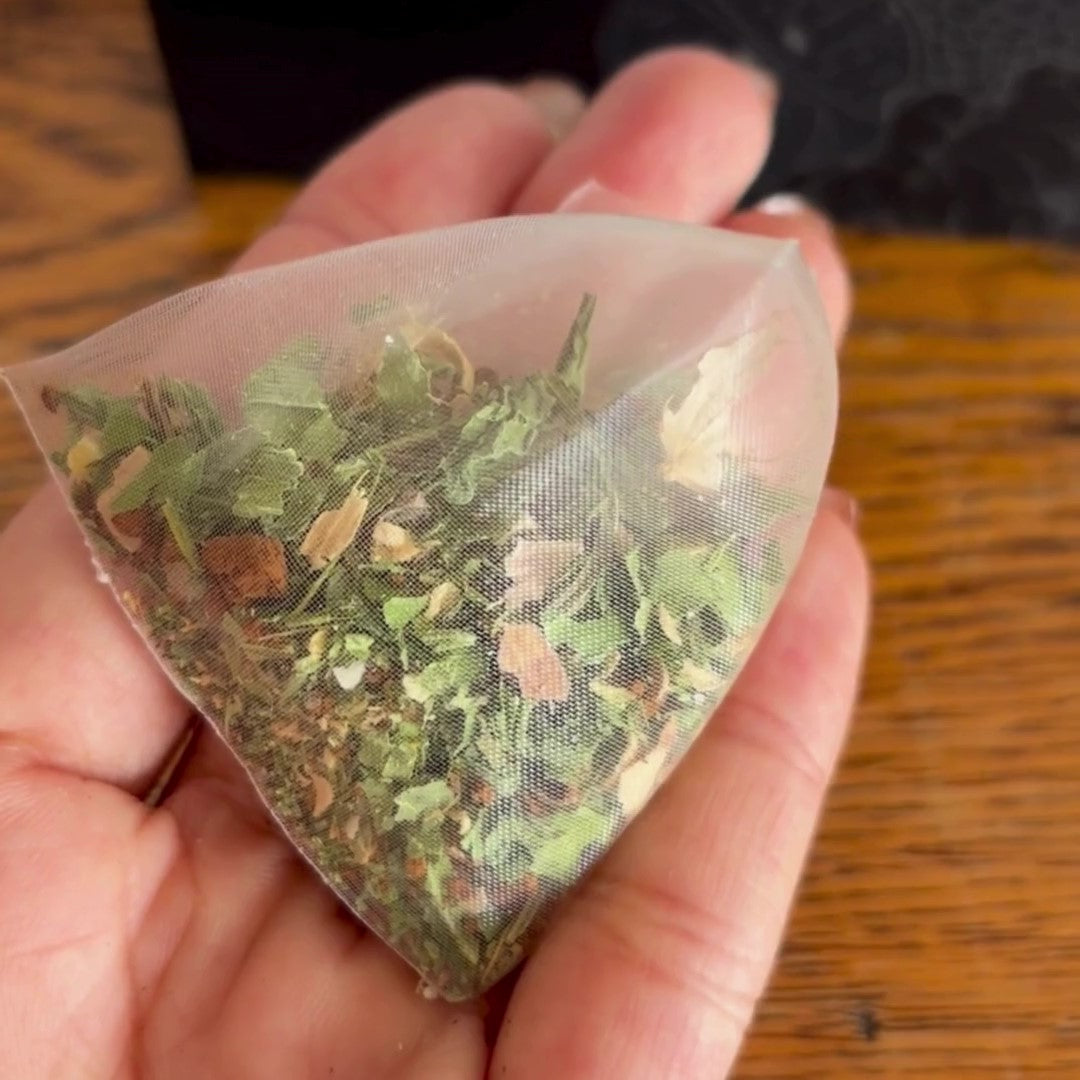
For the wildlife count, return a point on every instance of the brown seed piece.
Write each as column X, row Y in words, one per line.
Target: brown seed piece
column 246, row 566
column 135, row 523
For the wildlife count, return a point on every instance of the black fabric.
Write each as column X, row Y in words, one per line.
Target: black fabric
column 276, row 91
column 933, row 114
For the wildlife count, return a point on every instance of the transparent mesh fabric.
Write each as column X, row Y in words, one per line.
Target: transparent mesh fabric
column 457, row 539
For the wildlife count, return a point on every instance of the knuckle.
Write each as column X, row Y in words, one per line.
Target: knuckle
column 656, row 935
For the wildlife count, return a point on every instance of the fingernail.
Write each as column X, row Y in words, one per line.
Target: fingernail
column 783, row 204
column 841, row 503
column 766, row 82
column 593, row 197
column 559, row 101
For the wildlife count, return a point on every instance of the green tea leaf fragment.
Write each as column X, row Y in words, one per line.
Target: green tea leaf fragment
column 399, row 611
column 570, row 366
column 413, row 803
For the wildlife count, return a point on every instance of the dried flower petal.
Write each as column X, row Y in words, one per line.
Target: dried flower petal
column 525, row 654
column 436, row 343
column 639, row 780
column 334, row 530
column 126, row 470
column 534, row 566
column 701, row 679
column 349, row 676
column 392, row 543
column 669, row 624
column 443, row 597
column 323, row 792
column 700, row 434
column 84, row 453
column 317, row 643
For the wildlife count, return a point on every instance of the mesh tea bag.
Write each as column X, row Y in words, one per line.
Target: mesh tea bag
column 457, row 539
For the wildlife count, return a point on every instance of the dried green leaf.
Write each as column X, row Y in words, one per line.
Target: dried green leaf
column 572, row 358
column 512, row 437
column 125, row 428
column 358, row 646
column 404, row 753
column 191, row 410
column 269, row 474
column 180, row 534
column 150, row 484
column 415, row 802
column 570, row 837
column 469, row 705
column 442, row 677
column 321, row 439
column 690, row 578
column 302, row 505
column 87, row 407
column 483, row 420
column 593, row 640
column 399, row 611
column 283, row 398
column 402, row 383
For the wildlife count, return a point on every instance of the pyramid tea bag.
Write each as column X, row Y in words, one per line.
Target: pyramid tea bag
column 457, row 539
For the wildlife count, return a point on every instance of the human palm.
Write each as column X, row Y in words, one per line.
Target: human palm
column 186, row 939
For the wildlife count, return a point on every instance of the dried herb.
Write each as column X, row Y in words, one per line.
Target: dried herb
column 456, row 634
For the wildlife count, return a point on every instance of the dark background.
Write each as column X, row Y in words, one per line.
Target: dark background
column 931, row 114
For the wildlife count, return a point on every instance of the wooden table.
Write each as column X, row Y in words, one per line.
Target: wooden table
column 938, row 933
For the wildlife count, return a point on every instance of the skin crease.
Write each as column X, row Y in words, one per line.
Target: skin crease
column 188, row 941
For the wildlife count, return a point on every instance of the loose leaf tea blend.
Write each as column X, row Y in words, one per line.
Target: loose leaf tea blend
column 457, row 572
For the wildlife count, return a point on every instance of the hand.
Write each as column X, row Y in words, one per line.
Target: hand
column 188, row 941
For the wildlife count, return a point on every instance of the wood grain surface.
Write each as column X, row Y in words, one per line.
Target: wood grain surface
column 938, row 930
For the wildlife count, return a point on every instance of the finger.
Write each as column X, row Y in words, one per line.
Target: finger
column 680, row 133
column 78, row 686
column 788, row 217
column 559, row 102
column 654, row 968
column 457, row 154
